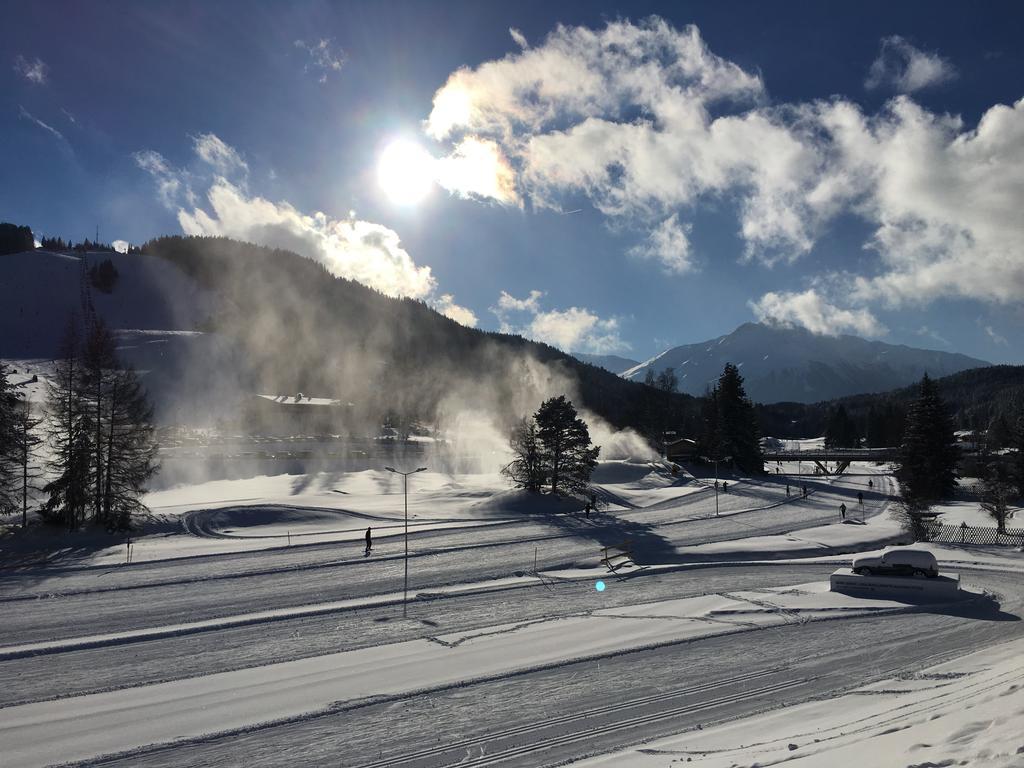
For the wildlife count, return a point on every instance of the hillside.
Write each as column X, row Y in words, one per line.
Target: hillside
column 975, row 397
column 612, row 363
column 794, row 365
column 211, row 320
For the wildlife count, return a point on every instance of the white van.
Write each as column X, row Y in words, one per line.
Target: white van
column 898, row 562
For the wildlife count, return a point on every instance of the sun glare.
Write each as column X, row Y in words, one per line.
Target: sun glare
column 406, row 172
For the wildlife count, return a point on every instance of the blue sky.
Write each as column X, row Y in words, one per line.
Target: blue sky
column 609, row 178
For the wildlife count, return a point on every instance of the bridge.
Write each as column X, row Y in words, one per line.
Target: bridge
column 840, row 456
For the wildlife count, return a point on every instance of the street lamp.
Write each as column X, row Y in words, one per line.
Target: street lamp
column 724, row 458
column 405, row 493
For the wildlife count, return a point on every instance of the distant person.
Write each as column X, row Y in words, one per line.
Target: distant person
column 369, row 542
column 860, row 498
column 805, row 491
column 725, row 487
column 716, row 485
column 787, row 490
column 870, row 484
column 842, row 510
column 587, row 509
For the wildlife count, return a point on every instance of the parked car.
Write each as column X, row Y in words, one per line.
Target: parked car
column 898, row 562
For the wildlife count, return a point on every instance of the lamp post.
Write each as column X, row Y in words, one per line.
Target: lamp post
column 405, row 494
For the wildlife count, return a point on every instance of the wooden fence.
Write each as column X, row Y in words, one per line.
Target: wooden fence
column 967, row 534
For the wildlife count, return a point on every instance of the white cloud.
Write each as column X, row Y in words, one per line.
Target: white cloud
column 905, row 69
column 644, row 120
column 222, row 157
column 34, row 71
column 996, row 337
column 669, row 244
column 650, row 125
column 24, row 114
column 812, row 311
column 358, row 250
column 944, row 200
column 927, row 332
column 509, row 303
column 477, row 168
column 322, row 57
column 518, row 37
column 168, row 180
column 121, row 246
column 445, row 304
column 575, row 329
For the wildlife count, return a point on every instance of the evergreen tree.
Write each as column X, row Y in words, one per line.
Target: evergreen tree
column 667, row 380
column 569, row 455
column 130, row 449
column 8, row 444
column 996, row 493
column 26, row 442
column 67, row 427
column 527, row 469
column 841, row 431
column 928, row 455
column 1018, row 458
column 97, row 373
column 710, row 442
column 738, row 422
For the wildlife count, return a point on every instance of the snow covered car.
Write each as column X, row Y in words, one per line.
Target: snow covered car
column 898, row 562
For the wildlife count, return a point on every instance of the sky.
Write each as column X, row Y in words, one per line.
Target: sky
column 608, row 178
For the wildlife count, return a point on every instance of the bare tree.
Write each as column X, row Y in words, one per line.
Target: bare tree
column 996, row 492
column 526, row 470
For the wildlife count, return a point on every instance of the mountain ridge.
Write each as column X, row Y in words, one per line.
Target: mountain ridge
column 782, row 364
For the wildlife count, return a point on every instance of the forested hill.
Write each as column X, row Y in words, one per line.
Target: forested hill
column 299, row 328
column 978, row 398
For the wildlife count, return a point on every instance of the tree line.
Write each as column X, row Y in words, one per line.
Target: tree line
column 97, row 432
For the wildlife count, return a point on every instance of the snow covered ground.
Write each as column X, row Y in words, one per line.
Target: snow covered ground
column 965, row 712
column 250, row 619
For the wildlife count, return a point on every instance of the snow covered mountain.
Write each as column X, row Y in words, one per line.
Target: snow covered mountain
column 793, row 364
column 612, row 363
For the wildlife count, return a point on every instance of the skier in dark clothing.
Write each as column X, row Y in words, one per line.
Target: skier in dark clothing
column 842, row 511
column 787, row 490
column 805, row 491
column 860, row 498
column 369, row 542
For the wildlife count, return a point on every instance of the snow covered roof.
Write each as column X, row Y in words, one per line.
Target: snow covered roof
column 300, row 399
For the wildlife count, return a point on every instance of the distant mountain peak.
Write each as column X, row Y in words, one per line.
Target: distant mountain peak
column 783, row 363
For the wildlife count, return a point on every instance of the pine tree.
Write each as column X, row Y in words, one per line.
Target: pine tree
column 667, row 380
column 710, row 442
column 527, row 469
column 67, row 427
column 26, row 442
column 841, row 431
column 97, row 373
column 130, row 449
column 739, row 430
column 928, row 455
column 8, row 444
column 996, row 493
column 1018, row 459
column 569, row 455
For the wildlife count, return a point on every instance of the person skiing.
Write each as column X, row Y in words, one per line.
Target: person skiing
column 870, row 483
column 369, row 543
column 842, row 510
column 860, row 498
column 725, row 487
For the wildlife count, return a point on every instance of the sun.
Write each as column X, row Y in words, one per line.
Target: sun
column 406, row 172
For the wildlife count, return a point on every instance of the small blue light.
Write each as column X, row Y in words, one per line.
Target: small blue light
column 599, row 586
